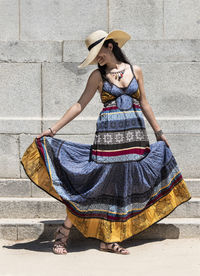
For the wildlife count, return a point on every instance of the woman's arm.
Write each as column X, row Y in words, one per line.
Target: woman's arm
column 145, row 106
column 77, row 108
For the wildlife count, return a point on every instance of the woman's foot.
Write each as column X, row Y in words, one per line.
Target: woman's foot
column 61, row 237
column 114, row 248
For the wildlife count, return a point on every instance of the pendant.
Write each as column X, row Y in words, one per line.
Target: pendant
column 120, row 76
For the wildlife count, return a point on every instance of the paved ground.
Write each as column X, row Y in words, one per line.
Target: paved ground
column 169, row 257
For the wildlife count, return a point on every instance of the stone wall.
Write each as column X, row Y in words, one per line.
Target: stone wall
column 42, row 43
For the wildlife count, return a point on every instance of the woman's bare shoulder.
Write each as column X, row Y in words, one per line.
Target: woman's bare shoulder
column 138, row 71
column 96, row 76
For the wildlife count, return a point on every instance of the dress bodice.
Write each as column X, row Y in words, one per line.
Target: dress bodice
column 123, row 96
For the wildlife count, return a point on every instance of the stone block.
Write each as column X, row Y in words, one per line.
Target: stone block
column 43, row 229
column 20, row 90
column 172, row 89
column 20, row 125
column 63, row 85
column 15, row 188
column 61, row 20
column 165, row 50
column 29, row 231
column 140, row 18
column 37, row 192
column 30, row 51
column 74, row 51
column 79, row 126
column 31, row 208
column 171, row 228
column 9, row 20
column 9, row 156
column 177, row 125
column 185, row 149
column 8, row 231
column 181, row 19
column 193, row 185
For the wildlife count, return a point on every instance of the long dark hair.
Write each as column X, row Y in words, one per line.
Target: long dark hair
column 118, row 53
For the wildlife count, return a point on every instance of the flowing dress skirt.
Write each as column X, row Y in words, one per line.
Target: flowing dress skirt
column 107, row 201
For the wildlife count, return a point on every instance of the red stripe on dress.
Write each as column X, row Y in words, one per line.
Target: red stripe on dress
column 121, row 152
column 40, row 147
column 115, row 107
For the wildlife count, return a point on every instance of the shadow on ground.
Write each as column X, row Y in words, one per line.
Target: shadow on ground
column 73, row 246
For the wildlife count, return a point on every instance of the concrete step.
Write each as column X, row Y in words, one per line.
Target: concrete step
column 25, row 207
column 42, row 229
column 11, row 207
column 25, row 188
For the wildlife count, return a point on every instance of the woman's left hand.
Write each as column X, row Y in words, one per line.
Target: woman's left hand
column 163, row 138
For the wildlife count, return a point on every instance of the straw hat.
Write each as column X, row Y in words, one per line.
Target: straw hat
column 95, row 41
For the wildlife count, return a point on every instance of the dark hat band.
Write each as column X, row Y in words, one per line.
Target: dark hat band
column 95, row 43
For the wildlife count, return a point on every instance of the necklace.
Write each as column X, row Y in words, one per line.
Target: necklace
column 119, row 74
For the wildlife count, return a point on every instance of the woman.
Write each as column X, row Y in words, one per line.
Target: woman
column 120, row 185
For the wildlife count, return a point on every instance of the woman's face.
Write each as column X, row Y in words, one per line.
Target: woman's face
column 104, row 54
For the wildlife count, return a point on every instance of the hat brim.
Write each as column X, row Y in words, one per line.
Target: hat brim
column 118, row 36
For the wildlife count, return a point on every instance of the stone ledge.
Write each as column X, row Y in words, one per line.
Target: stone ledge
column 42, row 229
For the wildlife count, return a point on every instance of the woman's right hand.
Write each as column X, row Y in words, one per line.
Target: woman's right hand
column 163, row 138
column 45, row 133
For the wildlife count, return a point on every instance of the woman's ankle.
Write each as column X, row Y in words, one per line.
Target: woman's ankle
column 66, row 226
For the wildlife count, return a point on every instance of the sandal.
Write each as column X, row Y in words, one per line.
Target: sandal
column 60, row 240
column 115, row 248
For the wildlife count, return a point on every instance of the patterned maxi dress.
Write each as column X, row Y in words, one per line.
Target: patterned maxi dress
column 118, row 186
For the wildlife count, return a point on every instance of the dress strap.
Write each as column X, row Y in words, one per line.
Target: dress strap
column 132, row 70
